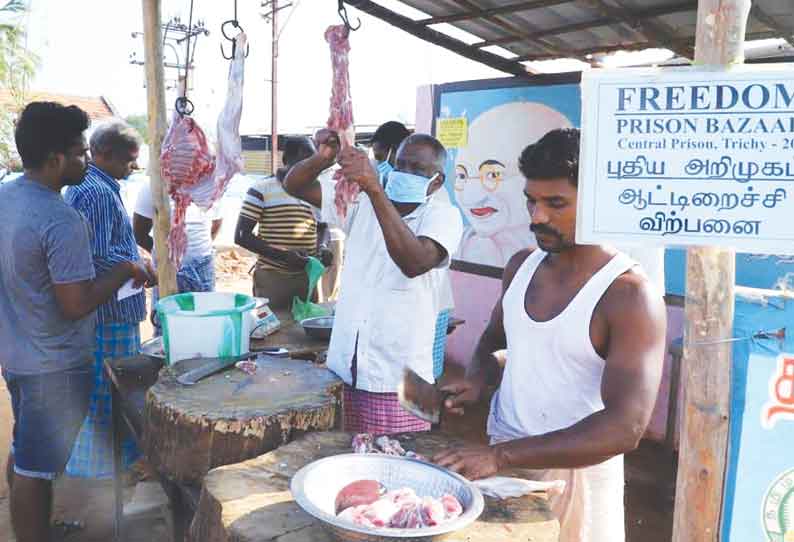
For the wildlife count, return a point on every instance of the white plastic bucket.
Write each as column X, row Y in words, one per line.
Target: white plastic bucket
column 206, row 324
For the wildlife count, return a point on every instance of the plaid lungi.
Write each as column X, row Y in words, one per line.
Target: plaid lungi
column 377, row 413
column 440, row 343
column 92, row 454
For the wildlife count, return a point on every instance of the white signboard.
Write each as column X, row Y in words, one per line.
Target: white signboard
column 688, row 157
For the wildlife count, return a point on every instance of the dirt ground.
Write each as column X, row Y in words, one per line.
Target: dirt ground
column 650, row 473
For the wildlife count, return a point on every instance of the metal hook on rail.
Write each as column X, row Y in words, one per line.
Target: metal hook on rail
column 236, row 24
column 184, row 106
column 345, row 19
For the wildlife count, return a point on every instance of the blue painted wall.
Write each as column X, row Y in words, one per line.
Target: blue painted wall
column 752, row 270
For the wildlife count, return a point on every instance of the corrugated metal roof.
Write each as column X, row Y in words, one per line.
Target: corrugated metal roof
column 529, row 30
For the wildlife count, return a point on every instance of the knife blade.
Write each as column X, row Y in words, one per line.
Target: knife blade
column 420, row 398
column 213, row 366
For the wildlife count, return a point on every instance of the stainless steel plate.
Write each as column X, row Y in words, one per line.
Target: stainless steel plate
column 316, row 485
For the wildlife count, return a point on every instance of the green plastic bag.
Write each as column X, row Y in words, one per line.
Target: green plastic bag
column 303, row 309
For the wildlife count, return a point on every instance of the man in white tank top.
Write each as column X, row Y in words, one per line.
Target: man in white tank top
column 584, row 331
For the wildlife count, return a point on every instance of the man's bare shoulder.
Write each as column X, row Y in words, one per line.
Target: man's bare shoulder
column 631, row 296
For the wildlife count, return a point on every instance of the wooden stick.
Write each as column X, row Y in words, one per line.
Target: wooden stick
column 710, row 280
column 155, row 92
column 274, row 163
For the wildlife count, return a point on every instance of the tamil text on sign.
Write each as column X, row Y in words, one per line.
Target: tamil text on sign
column 688, row 157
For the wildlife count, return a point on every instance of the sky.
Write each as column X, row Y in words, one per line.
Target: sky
column 85, row 45
column 85, row 48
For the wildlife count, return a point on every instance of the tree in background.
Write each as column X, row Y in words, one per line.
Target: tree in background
column 17, row 66
column 141, row 124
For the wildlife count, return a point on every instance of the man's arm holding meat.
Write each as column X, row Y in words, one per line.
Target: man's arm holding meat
column 414, row 254
column 636, row 325
column 302, row 180
column 485, row 370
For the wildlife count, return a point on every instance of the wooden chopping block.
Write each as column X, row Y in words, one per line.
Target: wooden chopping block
column 251, row 501
column 189, row 430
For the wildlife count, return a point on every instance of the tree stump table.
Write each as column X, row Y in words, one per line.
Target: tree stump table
column 230, row 417
column 251, row 501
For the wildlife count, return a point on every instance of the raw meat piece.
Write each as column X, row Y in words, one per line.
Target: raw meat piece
column 389, row 446
column 402, row 496
column 381, row 512
column 365, row 443
column 410, row 454
column 356, row 516
column 362, row 444
column 432, row 512
column 403, row 509
column 186, row 163
column 230, row 147
column 185, row 156
column 452, row 506
column 408, row 517
column 361, row 492
column 378, row 514
column 247, row 366
column 341, row 117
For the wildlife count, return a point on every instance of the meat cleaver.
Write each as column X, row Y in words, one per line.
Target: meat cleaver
column 420, row 398
column 212, row 366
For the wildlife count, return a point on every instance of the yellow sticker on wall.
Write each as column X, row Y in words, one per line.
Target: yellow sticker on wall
column 453, row 133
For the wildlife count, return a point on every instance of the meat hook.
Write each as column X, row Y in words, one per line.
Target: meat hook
column 184, row 106
column 345, row 19
column 236, row 24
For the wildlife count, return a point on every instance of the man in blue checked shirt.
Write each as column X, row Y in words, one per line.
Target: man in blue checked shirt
column 114, row 152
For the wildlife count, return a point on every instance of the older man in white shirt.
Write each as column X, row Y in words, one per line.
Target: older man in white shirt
column 399, row 242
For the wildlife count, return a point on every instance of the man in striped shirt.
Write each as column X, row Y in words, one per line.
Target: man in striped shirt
column 286, row 232
column 114, row 152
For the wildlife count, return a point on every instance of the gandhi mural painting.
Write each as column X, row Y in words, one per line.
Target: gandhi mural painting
column 488, row 187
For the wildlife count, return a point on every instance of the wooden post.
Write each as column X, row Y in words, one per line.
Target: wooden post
column 274, row 93
column 709, row 310
column 155, row 92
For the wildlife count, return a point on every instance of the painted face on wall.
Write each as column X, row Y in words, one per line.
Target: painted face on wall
column 488, row 185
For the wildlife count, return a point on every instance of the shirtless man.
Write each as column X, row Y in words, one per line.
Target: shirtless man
column 584, row 332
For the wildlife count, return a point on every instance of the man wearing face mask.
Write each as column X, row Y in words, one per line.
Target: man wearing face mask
column 385, row 142
column 399, row 242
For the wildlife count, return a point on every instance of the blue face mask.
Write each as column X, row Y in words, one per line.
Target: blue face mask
column 384, row 168
column 408, row 188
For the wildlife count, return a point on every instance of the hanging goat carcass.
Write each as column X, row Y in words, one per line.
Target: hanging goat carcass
column 193, row 174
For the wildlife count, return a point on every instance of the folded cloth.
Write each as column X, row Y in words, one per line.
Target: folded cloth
column 503, row 487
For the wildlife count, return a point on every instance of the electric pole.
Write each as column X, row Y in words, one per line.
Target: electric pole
column 272, row 16
column 174, row 34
